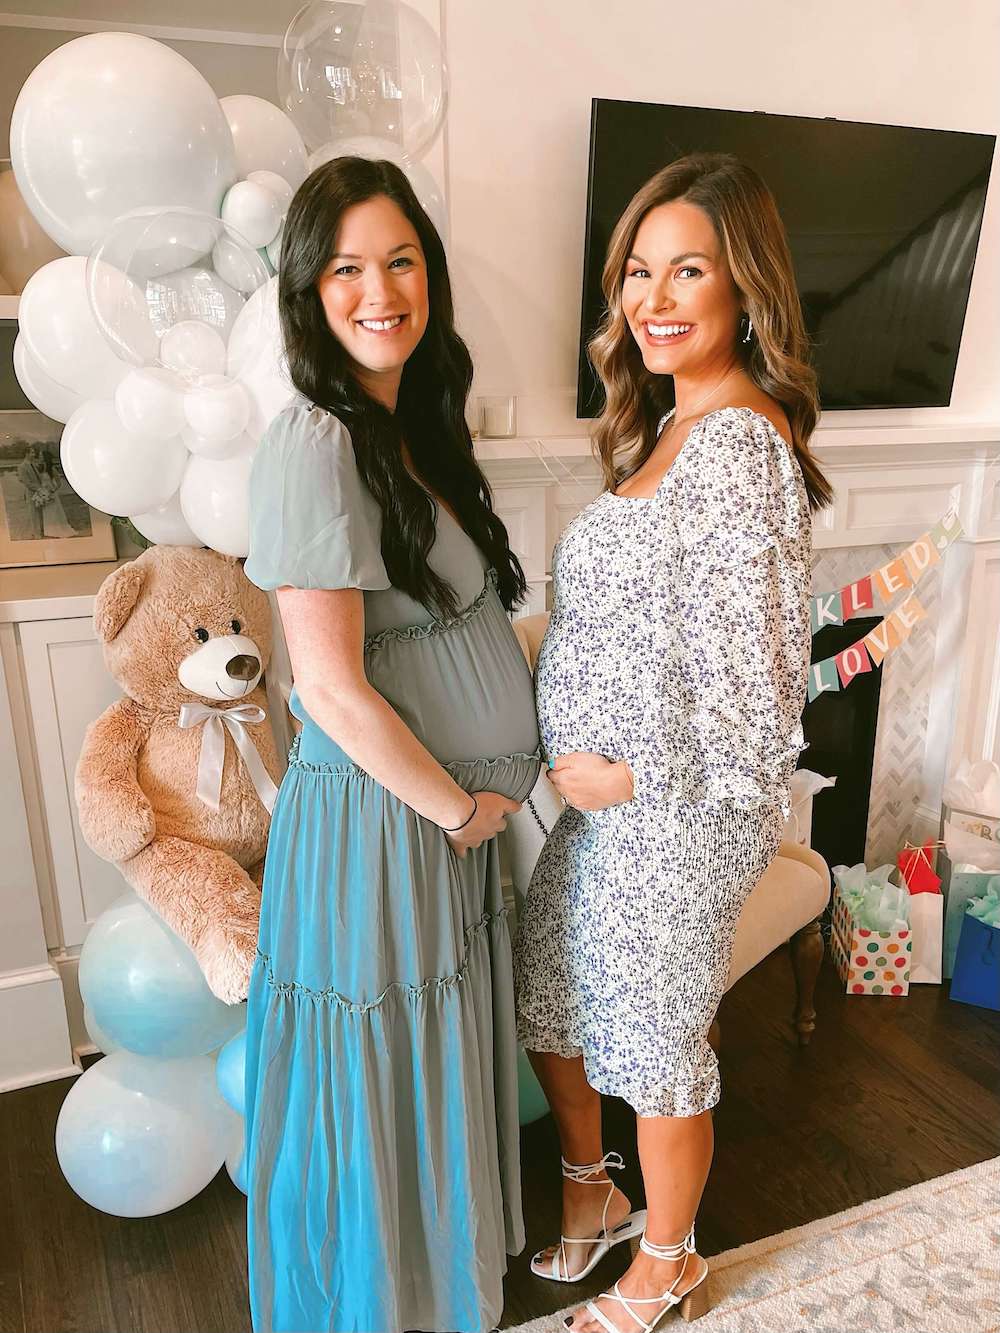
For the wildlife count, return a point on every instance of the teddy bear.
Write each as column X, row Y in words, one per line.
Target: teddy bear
column 175, row 781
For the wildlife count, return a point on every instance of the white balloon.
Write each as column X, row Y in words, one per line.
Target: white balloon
column 276, row 184
column 207, row 448
column 425, row 187
column 193, row 349
column 254, row 211
column 61, row 332
column 148, row 402
column 113, row 121
column 274, row 250
column 215, row 501
column 218, row 409
column 114, row 470
column 238, row 266
column 256, row 358
column 138, row 1136
column 265, row 139
column 165, row 525
column 48, row 396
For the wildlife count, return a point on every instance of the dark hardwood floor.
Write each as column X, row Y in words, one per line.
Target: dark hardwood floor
column 891, row 1092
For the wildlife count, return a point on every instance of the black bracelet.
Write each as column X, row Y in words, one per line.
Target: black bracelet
column 475, row 810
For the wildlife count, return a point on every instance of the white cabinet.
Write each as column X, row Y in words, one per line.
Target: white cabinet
column 53, row 683
column 68, row 686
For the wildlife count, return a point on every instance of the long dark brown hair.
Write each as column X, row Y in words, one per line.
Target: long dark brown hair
column 430, row 411
column 777, row 358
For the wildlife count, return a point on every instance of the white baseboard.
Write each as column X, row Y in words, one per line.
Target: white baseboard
column 35, row 1043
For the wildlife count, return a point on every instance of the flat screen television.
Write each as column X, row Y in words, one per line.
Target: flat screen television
column 883, row 222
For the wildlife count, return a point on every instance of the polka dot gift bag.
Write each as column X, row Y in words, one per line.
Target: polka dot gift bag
column 871, row 938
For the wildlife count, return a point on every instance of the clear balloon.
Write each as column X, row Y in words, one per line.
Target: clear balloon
column 137, row 1137
column 218, row 409
column 351, row 67
column 265, row 139
column 41, row 389
column 145, row 988
column 256, row 358
column 114, row 470
column 111, row 122
column 165, row 525
column 149, row 402
column 60, row 330
column 193, row 350
column 179, row 264
column 425, row 187
column 215, row 501
column 24, row 247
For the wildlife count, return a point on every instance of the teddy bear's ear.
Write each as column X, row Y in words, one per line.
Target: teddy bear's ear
column 116, row 599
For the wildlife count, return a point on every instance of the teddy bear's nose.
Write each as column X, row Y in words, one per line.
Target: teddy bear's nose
column 242, row 667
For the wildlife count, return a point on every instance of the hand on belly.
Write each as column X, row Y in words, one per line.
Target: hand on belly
column 589, row 781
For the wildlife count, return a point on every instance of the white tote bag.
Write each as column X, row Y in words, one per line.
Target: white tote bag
column 926, row 925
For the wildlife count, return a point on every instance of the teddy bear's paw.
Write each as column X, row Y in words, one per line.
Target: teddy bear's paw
column 227, row 960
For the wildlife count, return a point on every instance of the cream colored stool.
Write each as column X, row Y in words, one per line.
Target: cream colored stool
column 784, row 906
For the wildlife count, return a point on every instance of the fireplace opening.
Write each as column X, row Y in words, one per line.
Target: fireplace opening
column 840, row 726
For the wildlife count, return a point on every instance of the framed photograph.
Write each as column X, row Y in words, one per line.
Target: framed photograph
column 42, row 519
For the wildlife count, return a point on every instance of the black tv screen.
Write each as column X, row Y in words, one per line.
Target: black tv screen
column 883, row 223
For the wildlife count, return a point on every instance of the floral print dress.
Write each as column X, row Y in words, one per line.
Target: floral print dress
column 679, row 641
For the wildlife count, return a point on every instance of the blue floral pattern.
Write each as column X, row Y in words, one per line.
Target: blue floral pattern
column 679, row 641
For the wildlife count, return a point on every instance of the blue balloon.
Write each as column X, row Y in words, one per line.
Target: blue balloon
column 145, row 990
column 236, row 1165
column 230, row 1069
column 138, row 1136
column 531, row 1103
column 100, row 1039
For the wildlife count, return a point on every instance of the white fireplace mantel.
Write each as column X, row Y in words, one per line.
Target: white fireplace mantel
column 892, row 482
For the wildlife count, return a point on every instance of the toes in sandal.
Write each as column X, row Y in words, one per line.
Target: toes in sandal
column 693, row 1302
column 556, row 1269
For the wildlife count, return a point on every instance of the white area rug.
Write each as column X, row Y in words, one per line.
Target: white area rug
column 925, row 1260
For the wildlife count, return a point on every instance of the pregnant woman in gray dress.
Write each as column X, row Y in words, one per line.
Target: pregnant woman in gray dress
column 670, row 686
column 382, row 1124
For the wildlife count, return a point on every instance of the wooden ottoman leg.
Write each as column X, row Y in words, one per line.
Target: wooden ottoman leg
column 807, row 954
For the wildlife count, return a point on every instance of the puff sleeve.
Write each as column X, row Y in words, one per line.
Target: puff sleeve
column 313, row 522
column 733, row 632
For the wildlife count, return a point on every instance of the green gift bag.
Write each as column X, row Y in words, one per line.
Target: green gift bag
column 959, row 887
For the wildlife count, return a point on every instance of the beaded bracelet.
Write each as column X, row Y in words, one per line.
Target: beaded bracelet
column 475, row 810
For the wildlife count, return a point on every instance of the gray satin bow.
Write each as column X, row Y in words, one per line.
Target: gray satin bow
column 213, row 749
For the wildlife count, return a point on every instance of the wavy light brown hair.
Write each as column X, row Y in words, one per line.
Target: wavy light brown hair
column 777, row 358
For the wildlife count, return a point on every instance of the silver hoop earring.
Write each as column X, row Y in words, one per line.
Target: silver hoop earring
column 746, row 338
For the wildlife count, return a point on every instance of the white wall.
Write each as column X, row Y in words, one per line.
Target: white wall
column 523, row 73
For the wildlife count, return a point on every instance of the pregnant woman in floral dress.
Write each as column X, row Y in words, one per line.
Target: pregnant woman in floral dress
column 670, row 686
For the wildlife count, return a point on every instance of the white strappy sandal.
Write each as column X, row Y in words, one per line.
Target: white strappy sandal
column 557, row 1269
column 693, row 1303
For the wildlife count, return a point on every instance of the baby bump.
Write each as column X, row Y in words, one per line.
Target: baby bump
column 589, row 696
column 463, row 689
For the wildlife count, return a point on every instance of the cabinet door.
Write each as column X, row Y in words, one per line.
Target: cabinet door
column 68, row 686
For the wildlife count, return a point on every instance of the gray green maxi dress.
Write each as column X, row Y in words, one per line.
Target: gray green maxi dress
column 382, row 1123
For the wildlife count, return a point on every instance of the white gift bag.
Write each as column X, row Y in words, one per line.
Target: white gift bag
column 927, row 927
